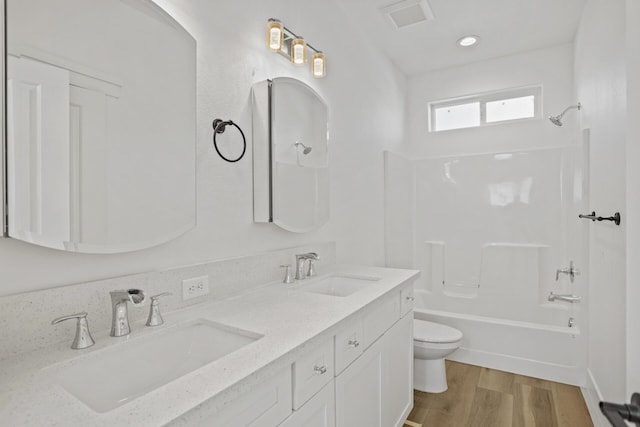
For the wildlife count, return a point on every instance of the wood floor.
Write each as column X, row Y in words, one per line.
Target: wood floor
column 482, row 397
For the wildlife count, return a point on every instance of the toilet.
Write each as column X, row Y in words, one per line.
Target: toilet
column 432, row 342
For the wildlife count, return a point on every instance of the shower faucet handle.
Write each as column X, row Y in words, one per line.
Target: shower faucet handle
column 571, row 271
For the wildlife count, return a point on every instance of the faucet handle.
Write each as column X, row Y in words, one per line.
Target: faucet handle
column 571, row 271
column 287, row 273
column 311, row 270
column 164, row 294
column 83, row 338
column 155, row 318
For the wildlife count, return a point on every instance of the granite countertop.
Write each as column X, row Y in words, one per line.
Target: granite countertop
column 289, row 319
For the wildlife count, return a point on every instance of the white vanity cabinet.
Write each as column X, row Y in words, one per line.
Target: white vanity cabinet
column 359, row 376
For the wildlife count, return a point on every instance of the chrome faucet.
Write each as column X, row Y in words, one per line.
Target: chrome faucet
column 120, row 320
column 300, row 259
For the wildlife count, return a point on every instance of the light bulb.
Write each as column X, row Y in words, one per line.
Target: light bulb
column 275, row 35
column 298, row 51
column 319, row 65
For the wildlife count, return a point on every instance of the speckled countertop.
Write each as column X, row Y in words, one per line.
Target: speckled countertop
column 290, row 320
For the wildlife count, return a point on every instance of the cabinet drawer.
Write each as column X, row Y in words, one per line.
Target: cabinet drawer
column 407, row 300
column 349, row 344
column 311, row 372
column 380, row 317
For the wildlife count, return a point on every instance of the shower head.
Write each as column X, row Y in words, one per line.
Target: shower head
column 306, row 150
column 557, row 120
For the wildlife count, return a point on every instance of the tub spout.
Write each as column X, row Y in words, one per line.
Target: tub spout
column 566, row 298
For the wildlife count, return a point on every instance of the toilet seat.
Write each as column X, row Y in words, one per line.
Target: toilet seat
column 430, row 332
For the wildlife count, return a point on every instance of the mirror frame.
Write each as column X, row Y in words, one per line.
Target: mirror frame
column 3, row 118
column 264, row 147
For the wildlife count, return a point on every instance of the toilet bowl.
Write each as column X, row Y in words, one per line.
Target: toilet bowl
column 432, row 342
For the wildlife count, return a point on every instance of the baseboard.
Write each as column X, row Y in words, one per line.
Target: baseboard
column 532, row 368
column 592, row 398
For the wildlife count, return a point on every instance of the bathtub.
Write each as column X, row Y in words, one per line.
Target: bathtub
column 555, row 353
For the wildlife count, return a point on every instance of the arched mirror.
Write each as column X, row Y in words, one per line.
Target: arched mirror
column 100, row 124
column 291, row 162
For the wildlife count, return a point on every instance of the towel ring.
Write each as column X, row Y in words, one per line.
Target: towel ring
column 219, row 126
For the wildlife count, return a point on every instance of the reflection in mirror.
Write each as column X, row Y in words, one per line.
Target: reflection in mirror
column 100, row 124
column 291, row 169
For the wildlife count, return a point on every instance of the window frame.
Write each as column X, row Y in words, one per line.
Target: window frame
column 483, row 99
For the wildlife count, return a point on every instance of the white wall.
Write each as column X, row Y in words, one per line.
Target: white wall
column 366, row 98
column 552, row 67
column 633, row 195
column 600, row 78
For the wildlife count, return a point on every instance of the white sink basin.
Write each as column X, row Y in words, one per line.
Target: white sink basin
column 339, row 286
column 113, row 376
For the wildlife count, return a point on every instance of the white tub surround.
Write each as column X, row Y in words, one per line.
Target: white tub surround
column 492, row 234
column 293, row 323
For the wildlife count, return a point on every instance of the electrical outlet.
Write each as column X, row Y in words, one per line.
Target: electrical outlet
column 195, row 287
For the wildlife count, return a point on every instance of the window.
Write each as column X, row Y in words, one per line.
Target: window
column 485, row 109
column 457, row 116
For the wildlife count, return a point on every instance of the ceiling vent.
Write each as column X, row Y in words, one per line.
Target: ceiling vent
column 407, row 12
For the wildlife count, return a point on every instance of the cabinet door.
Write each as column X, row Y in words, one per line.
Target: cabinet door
column 349, row 344
column 320, row 411
column 311, row 372
column 397, row 385
column 359, row 399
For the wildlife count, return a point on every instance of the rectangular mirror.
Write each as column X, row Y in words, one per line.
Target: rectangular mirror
column 100, row 124
column 291, row 158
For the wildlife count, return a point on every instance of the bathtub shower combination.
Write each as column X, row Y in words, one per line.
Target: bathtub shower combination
column 489, row 233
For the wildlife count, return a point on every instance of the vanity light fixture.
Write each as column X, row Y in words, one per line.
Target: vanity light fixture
column 284, row 41
column 468, row 41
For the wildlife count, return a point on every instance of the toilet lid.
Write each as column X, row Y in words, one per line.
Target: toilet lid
column 434, row 332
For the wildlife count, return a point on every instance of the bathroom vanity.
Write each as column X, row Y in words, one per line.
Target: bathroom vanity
column 333, row 350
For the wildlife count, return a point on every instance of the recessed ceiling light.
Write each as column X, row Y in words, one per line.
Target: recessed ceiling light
column 467, row 41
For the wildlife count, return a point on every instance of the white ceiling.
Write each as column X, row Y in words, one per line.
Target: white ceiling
column 505, row 27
